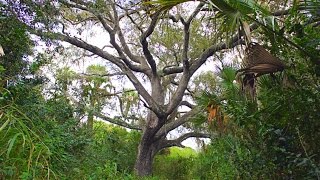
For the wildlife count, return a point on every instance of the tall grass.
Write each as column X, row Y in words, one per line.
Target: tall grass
column 23, row 154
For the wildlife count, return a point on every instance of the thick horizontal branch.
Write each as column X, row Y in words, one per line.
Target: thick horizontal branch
column 178, row 141
column 194, row 134
column 234, row 41
column 117, row 121
column 172, row 70
column 186, row 103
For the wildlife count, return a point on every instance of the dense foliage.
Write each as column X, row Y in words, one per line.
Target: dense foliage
column 272, row 133
column 40, row 138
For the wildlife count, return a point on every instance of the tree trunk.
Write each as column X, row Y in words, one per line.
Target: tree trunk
column 148, row 146
column 144, row 161
column 147, row 149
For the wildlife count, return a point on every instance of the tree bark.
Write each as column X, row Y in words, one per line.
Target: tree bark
column 146, row 152
column 148, row 146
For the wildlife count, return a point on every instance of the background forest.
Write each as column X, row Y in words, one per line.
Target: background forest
column 109, row 89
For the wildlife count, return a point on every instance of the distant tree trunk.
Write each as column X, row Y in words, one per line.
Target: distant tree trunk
column 92, row 107
column 90, row 121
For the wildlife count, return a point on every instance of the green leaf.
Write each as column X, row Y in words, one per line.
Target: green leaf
column 4, row 124
column 11, row 143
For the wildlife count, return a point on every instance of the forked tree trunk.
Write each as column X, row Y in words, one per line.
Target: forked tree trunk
column 148, row 145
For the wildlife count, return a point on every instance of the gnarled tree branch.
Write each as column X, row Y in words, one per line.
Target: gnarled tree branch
column 120, row 122
column 178, row 141
column 144, row 42
column 186, row 31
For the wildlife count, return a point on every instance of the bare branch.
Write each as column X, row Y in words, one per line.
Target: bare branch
column 111, row 33
column 194, row 134
column 185, row 60
column 186, row 103
column 178, row 141
column 178, row 95
column 128, row 11
column 172, row 70
column 144, row 42
column 117, row 121
column 234, row 41
column 123, row 42
column 173, row 18
column 135, row 24
column 187, row 36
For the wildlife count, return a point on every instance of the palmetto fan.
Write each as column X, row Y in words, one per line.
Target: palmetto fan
column 259, row 61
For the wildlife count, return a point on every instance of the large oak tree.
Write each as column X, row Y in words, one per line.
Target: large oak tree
column 156, row 48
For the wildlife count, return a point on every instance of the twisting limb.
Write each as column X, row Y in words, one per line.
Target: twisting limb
column 118, row 30
column 120, row 122
column 178, row 95
column 188, row 104
column 144, row 42
column 172, row 70
column 178, row 141
column 186, row 31
column 111, row 33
